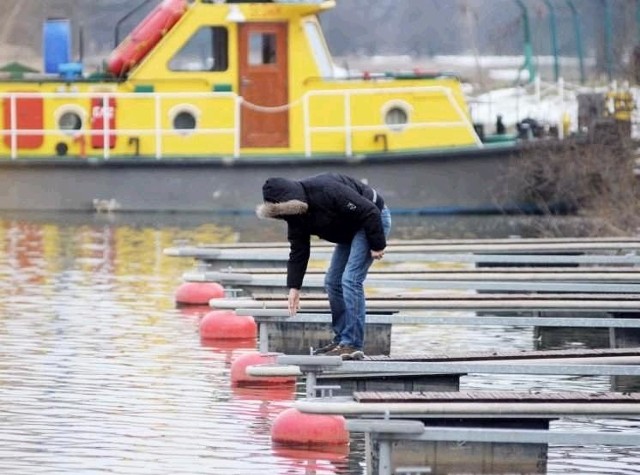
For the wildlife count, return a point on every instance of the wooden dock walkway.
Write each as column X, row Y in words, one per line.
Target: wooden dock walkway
column 481, row 252
column 430, row 246
column 613, row 240
column 582, row 355
column 544, row 406
column 260, row 283
column 624, row 274
column 618, row 303
column 240, row 259
column 591, row 274
column 557, row 283
column 494, row 396
column 581, row 358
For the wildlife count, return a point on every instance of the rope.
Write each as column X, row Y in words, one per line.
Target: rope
column 269, row 109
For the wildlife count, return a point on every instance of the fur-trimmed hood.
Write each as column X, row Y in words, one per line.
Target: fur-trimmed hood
column 278, row 210
column 282, row 197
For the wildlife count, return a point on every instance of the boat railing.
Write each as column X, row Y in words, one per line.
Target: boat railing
column 551, row 103
column 106, row 131
column 348, row 127
column 156, row 103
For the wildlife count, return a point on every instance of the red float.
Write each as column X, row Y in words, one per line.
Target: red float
column 198, row 293
column 145, row 36
column 227, row 325
column 239, row 376
column 297, row 429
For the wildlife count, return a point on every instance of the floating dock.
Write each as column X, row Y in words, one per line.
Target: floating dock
column 410, row 406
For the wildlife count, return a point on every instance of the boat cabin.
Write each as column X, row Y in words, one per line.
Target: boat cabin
column 222, row 80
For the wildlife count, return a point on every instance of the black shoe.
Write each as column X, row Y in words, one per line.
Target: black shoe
column 346, row 352
column 325, row 349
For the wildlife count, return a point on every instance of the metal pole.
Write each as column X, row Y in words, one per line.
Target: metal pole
column 263, row 335
column 528, row 48
column 608, row 37
column 384, row 458
column 637, row 21
column 311, row 385
column 577, row 31
column 554, row 39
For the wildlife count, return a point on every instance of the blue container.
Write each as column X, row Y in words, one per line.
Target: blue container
column 70, row 71
column 56, row 44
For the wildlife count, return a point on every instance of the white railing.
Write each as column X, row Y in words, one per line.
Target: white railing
column 106, row 131
column 548, row 102
column 348, row 127
column 158, row 100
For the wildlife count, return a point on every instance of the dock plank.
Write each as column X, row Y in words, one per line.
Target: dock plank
column 440, row 241
column 481, row 275
column 570, row 304
column 578, row 353
column 264, row 284
column 531, row 246
column 494, row 396
column 384, row 270
column 220, row 258
column 463, row 297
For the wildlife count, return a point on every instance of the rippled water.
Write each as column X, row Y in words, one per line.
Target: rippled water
column 100, row 373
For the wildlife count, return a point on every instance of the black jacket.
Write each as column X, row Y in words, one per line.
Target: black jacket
column 331, row 206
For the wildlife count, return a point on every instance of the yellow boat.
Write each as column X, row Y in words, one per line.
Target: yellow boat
column 204, row 100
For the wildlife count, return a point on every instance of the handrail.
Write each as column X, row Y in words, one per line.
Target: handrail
column 348, row 127
column 462, row 120
column 106, row 131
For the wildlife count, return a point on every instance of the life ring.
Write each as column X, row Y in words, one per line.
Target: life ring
column 145, row 36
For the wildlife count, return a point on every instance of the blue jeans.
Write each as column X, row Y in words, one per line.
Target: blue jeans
column 344, row 285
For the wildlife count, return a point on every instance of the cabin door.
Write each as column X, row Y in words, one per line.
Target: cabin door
column 264, row 84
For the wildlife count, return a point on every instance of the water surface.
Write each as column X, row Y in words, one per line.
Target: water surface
column 101, row 373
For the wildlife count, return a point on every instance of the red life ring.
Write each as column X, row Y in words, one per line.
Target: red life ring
column 145, row 36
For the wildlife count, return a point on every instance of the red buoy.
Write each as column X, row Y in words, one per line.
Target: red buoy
column 227, row 325
column 297, row 429
column 198, row 293
column 240, row 377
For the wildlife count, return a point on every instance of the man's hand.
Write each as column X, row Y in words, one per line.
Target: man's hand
column 294, row 301
column 376, row 255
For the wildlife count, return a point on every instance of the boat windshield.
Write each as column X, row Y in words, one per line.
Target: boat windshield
column 320, row 50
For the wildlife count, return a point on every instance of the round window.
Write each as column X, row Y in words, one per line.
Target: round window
column 396, row 118
column 184, row 121
column 70, row 121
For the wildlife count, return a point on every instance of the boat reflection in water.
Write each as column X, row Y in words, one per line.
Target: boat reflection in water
column 101, row 371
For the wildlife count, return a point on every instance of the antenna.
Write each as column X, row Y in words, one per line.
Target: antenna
column 124, row 18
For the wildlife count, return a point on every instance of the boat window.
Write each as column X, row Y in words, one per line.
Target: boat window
column 262, row 49
column 184, row 120
column 396, row 117
column 70, row 121
column 206, row 50
column 319, row 49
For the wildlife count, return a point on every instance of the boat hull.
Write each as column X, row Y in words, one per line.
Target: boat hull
column 446, row 182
